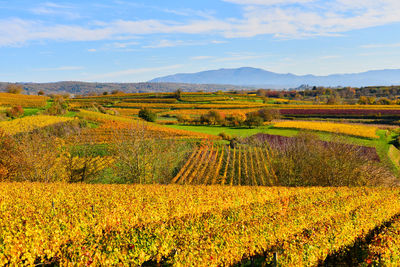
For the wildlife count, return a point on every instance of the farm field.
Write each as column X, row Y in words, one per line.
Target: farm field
column 30, row 123
column 340, row 128
column 204, row 179
column 136, row 224
column 243, row 133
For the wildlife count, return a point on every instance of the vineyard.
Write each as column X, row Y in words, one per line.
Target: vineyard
column 10, row 100
column 105, row 224
column 356, row 130
column 31, row 123
column 217, row 179
column 110, row 125
column 211, row 164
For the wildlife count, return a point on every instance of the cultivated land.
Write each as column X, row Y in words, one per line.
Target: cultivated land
column 198, row 179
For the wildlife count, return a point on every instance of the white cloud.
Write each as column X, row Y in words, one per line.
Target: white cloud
column 123, row 44
column 54, row 9
column 329, row 57
column 174, row 43
column 381, row 45
column 218, row 42
column 280, row 18
column 62, row 68
column 165, row 43
column 201, row 57
column 268, row 2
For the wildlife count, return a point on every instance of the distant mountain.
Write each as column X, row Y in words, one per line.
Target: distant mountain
column 247, row 76
column 80, row 88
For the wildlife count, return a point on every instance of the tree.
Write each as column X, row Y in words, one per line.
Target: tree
column 213, row 117
column 269, row 114
column 235, row 119
column 147, row 115
column 41, row 92
column 59, row 107
column 178, row 94
column 14, row 89
column 116, row 92
column 184, row 118
column 253, row 119
column 383, row 101
column 363, row 100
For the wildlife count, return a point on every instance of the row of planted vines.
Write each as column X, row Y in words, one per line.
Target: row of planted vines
column 340, row 128
column 241, row 165
column 10, row 100
column 28, row 124
column 122, row 224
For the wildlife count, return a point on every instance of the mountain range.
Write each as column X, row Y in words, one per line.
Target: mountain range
column 247, row 76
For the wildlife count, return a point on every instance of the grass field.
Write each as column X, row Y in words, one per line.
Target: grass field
column 242, row 132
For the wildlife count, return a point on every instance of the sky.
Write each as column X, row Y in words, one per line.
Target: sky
column 135, row 41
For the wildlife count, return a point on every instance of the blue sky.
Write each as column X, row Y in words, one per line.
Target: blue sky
column 133, row 41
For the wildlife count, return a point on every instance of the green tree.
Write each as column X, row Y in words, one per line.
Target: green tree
column 147, row 115
column 253, row 120
column 269, row 114
column 59, row 106
column 178, row 94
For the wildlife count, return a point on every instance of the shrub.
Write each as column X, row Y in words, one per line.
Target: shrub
column 225, row 136
column 144, row 158
column 15, row 112
column 235, row 120
column 14, row 89
column 59, row 106
column 147, row 115
column 269, row 114
column 184, row 119
column 253, row 119
column 304, row 161
column 178, row 94
column 10, row 158
column 213, row 117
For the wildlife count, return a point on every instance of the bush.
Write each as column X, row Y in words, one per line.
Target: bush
column 14, row 89
column 253, row 119
column 269, row 114
column 213, row 117
column 142, row 158
column 304, row 161
column 235, row 120
column 225, row 136
column 15, row 112
column 59, row 106
column 147, row 115
column 183, row 119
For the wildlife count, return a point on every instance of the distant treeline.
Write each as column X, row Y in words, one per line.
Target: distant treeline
column 311, row 93
column 84, row 88
column 345, row 92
